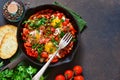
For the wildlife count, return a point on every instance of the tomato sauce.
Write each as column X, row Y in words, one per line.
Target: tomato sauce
column 42, row 33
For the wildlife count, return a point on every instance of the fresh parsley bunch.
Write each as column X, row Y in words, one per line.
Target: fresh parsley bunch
column 21, row 72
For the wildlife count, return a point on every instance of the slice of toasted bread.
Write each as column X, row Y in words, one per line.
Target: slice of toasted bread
column 8, row 46
column 5, row 29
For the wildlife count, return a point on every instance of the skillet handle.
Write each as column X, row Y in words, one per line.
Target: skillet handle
column 13, row 64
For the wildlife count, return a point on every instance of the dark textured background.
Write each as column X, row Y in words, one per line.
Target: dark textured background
column 99, row 51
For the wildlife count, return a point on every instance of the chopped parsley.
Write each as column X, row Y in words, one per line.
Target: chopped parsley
column 36, row 23
column 62, row 34
column 19, row 73
column 39, row 47
column 54, row 42
column 57, row 24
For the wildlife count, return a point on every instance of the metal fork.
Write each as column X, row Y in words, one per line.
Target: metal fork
column 63, row 43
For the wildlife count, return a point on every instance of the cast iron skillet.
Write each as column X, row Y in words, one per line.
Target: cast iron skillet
column 32, row 11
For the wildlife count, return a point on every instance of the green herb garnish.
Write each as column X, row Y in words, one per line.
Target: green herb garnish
column 40, row 22
column 57, row 24
column 62, row 34
column 34, row 46
column 36, row 23
column 42, row 78
column 54, row 42
column 19, row 73
column 51, row 50
column 38, row 47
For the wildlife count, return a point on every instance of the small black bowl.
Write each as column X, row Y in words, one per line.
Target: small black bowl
column 32, row 11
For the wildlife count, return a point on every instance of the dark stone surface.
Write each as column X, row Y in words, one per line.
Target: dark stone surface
column 99, row 51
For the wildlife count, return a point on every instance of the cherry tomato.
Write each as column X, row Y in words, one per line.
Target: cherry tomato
column 79, row 78
column 65, row 23
column 55, row 59
column 31, row 52
column 27, row 44
column 59, row 15
column 25, row 31
column 56, row 38
column 68, row 74
column 60, row 77
column 72, row 30
column 77, row 70
column 44, row 55
column 46, row 40
column 52, row 29
column 67, row 20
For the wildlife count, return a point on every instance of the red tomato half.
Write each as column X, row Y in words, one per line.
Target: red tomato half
column 59, row 15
